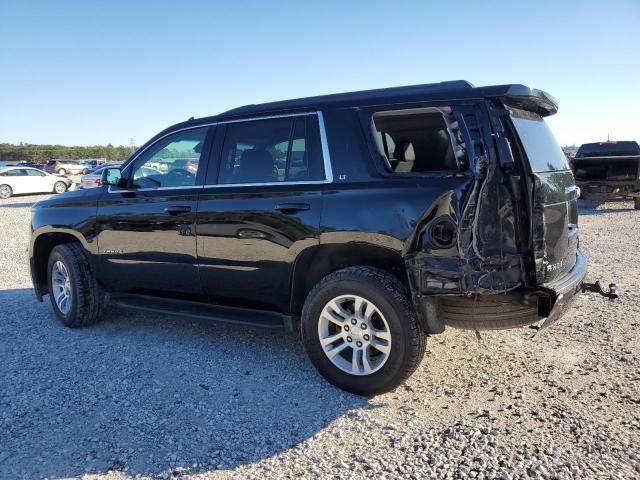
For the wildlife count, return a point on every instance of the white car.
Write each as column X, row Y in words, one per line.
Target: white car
column 15, row 180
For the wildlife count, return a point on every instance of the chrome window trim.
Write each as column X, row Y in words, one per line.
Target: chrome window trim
column 328, row 171
column 265, row 184
column 127, row 190
column 324, row 145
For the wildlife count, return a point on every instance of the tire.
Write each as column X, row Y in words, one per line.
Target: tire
column 60, row 187
column 636, row 203
column 62, row 171
column 84, row 171
column 85, row 299
column 394, row 310
column 5, row 191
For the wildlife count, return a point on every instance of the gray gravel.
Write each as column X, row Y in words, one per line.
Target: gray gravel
column 160, row 397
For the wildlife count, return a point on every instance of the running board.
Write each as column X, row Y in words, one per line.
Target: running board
column 184, row 308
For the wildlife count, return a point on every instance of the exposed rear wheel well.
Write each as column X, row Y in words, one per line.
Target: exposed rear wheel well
column 41, row 251
column 315, row 263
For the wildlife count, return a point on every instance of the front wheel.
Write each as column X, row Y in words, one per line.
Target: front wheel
column 60, row 187
column 62, row 171
column 5, row 191
column 361, row 332
column 75, row 295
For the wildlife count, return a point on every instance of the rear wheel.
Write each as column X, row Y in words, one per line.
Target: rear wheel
column 62, row 171
column 75, row 295
column 636, row 203
column 60, row 187
column 361, row 332
column 5, row 191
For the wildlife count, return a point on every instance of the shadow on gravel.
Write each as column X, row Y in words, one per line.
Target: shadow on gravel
column 151, row 395
column 590, row 207
column 17, row 205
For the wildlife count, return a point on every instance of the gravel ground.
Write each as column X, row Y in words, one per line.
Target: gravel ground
column 155, row 397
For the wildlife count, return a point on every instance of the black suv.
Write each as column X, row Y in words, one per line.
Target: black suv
column 369, row 220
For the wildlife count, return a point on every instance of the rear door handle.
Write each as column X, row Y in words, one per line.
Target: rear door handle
column 177, row 209
column 289, row 208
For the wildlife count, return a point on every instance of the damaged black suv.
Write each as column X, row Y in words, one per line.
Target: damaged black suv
column 369, row 220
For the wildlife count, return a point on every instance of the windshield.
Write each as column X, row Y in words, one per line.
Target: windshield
column 541, row 147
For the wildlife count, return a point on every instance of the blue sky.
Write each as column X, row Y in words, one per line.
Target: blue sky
column 85, row 72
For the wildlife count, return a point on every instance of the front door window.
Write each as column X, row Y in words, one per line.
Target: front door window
column 170, row 163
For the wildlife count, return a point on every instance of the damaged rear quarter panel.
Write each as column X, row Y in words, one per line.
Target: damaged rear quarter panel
column 398, row 211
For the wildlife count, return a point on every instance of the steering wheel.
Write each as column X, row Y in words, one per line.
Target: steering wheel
column 181, row 172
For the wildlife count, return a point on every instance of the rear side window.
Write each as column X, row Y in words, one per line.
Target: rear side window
column 16, row 172
column 271, row 151
column 416, row 140
column 542, row 149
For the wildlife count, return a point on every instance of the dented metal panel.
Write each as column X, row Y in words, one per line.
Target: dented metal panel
column 485, row 257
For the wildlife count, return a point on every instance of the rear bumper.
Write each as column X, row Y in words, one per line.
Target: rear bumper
column 608, row 187
column 515, row 309
column 565, row 289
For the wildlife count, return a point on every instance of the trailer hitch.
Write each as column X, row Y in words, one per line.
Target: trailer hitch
column 597, row 288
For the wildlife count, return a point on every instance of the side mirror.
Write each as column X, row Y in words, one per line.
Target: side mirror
column 112, row 176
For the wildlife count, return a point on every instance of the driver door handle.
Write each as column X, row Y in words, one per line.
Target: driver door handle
column 177, row 209
column 289, row 208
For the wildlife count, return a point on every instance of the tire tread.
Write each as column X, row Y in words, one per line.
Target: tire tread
column 89, row 294
column 400, row 296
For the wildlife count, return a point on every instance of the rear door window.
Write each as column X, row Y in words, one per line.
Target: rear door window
column 542, row 149
column 271, row 151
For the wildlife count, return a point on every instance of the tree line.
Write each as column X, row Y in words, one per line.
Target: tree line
column 41, row 153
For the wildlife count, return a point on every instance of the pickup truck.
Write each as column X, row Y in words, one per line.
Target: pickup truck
column 608, row 169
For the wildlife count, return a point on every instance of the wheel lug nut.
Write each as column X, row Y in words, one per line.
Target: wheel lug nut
column 346, row 328
column 366, row 337
column 359, row 344
column 353, row 321
column 363, row 326
column 349, row 339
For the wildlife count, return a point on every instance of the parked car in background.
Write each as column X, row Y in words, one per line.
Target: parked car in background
column 31, row 164
column 91, row 178
column 63, row 167
column 18, row 180
column 190, row 165
column 369, row 220
column 608, row 169
column 89, row 165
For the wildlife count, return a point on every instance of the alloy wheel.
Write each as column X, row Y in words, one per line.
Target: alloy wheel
column 61, row 286
column 354, row 335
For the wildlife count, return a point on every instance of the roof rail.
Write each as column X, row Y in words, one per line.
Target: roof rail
column 451, row 84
